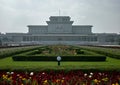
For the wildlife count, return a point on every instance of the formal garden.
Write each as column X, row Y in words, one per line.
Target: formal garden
column 79, row 65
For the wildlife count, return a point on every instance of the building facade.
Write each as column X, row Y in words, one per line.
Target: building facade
column 59, row 30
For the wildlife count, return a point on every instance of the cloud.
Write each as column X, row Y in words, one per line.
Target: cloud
column 15, row 15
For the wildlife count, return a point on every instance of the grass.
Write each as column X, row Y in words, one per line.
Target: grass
column 109, row 65
column 9, row 64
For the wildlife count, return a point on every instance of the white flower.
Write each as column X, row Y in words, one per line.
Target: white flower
column 63, row 78
column 43, row 73
column 18, row 74
column 31, row 74
column 8, row 72
column 91, row 73
column 85, row 74
column 100, row 73
column 90, row 76
column 12, row 72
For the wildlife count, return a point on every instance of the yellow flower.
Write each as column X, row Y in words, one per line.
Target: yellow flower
column 99, row 81
column 23, row 78
column 58, row 80
column 83, row 84
column 29, row 77
column 10, row 78
column 96, row 81
column 116, row 84
column 105, row 79
column 45, row 82
column 20, row 76
column 5, row 76
column 62, row 80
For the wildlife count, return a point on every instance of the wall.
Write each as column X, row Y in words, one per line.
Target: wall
column 59, row 28
column 81, row 29
column 37, row 29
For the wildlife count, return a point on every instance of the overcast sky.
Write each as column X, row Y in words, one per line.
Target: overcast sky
column 104, row 15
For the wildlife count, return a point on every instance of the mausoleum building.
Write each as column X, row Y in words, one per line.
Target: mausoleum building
column 60, row 30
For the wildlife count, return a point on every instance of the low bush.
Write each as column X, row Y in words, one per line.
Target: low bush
column 7, row 52
column 68, row 54
column 79, row 51
column 110, row 52
column 53, row 58
column 33, row 52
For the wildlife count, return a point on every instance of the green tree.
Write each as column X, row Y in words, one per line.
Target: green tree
column 0, row 41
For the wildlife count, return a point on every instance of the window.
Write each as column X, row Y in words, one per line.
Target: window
column 54, row 19
column 59, row 38
column 64, row 19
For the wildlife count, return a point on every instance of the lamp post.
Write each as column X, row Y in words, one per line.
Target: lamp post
column 58, row 59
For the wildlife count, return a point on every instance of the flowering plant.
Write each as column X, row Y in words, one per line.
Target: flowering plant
column 59, row 78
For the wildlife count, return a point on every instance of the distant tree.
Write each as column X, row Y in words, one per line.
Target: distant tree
column 0, row 42
column 118, row 41
column 5, row 39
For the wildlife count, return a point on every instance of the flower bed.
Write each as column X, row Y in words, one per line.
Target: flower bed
column 59, row 78
column 68, row 53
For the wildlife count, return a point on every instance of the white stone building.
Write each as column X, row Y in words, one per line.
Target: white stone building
column 60, row 31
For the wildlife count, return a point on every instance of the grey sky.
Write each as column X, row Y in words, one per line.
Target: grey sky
column 104, row 15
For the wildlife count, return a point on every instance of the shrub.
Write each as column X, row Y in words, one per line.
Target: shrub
column 53, row 58
column 10, row 52
column 104, row 51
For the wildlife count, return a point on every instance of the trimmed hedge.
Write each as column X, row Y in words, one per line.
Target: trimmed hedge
column 78, row 51
column 35, row 55
column 16, row 51
column 53, row 58
column 103, row 51
column 33, row 52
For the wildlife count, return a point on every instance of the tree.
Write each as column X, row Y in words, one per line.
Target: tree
column 0, row 42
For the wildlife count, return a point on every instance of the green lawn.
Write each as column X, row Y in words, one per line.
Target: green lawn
column 9, row 64
column 109, row 64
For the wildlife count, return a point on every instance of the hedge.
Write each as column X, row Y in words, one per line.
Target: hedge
column 53, row 58
column 31, row 52
column 16, row 51
column 79, row 51
column 103, row 51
